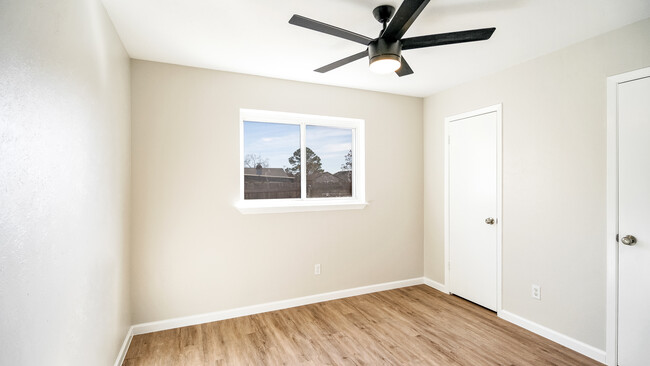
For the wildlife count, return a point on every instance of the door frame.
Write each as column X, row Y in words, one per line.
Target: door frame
column 611, row 343
column 499, row 222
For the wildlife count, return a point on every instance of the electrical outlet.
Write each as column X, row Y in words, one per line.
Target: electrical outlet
column 536, row 292
column 317, row 269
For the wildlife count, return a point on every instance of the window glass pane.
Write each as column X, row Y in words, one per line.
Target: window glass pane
column 329, row 161
column 269, row 149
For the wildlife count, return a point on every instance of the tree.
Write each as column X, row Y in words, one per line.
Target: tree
column 347, row 166
column 313, row 164
column 252, row 160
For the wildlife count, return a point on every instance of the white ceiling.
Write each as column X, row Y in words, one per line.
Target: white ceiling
column 254, row 36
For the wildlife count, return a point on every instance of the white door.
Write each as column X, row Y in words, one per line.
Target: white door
column 634, row 222
column 472, row 202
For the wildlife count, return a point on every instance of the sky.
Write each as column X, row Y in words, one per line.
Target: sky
column 277, row 142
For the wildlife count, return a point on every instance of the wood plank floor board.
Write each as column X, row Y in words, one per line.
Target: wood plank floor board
column 409, row 326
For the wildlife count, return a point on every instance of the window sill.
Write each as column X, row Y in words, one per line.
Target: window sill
column 281, row 206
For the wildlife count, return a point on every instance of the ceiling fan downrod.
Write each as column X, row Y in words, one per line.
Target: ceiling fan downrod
column 383, row 14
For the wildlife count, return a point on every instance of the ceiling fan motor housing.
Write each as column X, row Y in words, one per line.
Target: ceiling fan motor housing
column 381, row 49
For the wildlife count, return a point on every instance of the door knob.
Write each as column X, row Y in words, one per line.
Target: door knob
column 489, row 221
column 628, row 240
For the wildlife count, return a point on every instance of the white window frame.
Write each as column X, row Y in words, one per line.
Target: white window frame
column 278, row 205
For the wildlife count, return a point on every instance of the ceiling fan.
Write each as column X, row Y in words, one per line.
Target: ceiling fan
column 385, row 51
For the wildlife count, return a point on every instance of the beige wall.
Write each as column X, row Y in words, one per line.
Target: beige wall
column 64, row 184
column 553, row 177
column 194, row 252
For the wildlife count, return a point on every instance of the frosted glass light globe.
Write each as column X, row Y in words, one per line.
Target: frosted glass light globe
column 385, row 65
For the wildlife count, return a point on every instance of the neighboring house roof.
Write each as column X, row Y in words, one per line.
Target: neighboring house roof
column 344, row 175
column 267, row 172
column 325, row 177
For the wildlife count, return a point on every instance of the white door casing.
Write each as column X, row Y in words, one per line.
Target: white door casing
column 472, row 195
column 628, row 213
column 634, row 220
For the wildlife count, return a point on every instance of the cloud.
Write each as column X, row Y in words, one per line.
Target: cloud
column 328, row 149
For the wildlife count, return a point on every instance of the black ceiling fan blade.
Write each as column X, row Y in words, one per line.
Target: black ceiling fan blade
column 342, row 62
column 404, row 17
column 447, row 38
column 304, row 22
column 404, row 69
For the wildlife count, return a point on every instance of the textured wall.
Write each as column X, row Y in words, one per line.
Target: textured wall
column 194, row 252
column 64, row 184
column 554, row 115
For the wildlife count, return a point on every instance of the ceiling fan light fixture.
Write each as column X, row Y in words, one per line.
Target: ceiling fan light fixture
column 385, row 57
column 385, row 64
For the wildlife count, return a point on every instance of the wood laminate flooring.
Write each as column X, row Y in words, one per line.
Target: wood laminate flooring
column 409, row 326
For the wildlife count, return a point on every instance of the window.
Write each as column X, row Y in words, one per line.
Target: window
column 276, row 148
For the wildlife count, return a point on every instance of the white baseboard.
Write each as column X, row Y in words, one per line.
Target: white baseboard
column 557, row 337
column 270, row 306
column 436, row 285
column 125, row 347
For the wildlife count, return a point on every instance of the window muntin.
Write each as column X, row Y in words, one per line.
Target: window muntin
column 338, row 142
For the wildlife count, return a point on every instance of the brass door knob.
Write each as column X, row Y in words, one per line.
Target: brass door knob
column 489, row 221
